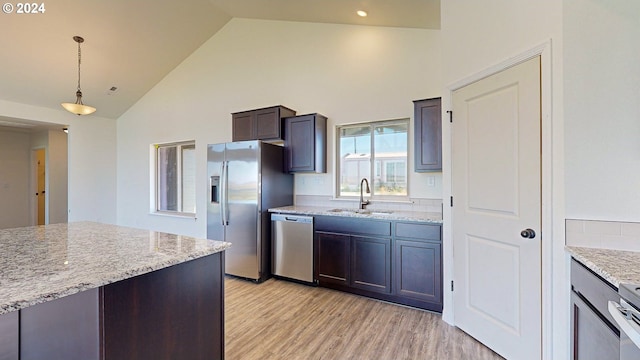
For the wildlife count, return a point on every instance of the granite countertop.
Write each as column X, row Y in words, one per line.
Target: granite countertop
column 43, row 263
column 370, row 214
column 616, row 266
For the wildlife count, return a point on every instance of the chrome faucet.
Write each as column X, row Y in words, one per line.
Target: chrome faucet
column 363, row 202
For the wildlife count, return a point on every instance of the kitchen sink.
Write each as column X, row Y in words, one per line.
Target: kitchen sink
column 362, row 211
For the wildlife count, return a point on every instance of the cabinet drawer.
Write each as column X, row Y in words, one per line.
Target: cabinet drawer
column 352, row 226
column 418, row 231
column 595, row 290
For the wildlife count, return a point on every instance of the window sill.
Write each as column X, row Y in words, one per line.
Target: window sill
column 174, row 214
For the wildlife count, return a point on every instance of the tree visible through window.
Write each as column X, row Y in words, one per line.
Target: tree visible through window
column 175, row 177
column 376, row 151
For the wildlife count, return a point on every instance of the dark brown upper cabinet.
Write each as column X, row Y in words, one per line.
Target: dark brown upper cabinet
column 427, row 123
column 259, row 124
column 305, row 143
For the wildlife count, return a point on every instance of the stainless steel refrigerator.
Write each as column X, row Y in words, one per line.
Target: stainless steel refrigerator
column 246, row 178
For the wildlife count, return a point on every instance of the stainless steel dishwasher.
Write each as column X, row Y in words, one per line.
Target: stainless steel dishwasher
column 292, row 246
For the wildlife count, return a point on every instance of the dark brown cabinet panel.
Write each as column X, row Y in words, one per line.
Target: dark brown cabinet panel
column 305, row 143
column 268, row 124
column 65, row 328
column 243, row 126
column 173, row 313
column 417, row 272
column 259, row 124
column 428, row 135
column 9, row 343
column 594, row 334
column 332, row 253
column 591, row 338
column 371, row 264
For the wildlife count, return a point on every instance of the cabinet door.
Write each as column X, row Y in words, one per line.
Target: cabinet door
column 332, row 258
column 428, row 135
column 268, row 124
column 299, row 143
column 243, row 126
column 9, row 343
column 371, row 264
column 418, row 271
column 305, row 143
column 591, row 338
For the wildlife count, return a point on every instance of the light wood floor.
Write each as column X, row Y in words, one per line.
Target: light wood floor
column 283, row 320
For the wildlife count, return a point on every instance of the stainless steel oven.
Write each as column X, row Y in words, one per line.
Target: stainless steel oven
column 626, row 313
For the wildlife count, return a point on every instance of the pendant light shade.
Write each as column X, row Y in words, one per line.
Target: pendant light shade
column 78, row 107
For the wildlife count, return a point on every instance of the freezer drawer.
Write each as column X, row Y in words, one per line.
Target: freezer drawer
column 292, row 246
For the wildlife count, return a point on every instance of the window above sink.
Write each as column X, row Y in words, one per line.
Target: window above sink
column 377, row 151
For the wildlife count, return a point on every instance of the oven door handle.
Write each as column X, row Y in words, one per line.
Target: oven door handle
column 624, row 321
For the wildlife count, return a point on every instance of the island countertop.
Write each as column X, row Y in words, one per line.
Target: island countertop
column 43, row 263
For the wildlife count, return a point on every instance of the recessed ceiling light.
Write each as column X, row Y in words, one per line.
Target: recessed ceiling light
column 361, row 13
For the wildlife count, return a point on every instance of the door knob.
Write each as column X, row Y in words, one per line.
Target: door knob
column 528, row 233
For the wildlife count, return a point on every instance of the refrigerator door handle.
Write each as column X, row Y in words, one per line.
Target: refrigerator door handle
column 223, row 194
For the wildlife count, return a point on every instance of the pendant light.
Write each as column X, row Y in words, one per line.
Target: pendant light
column 78, row 107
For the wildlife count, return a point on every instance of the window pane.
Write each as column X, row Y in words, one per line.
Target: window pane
column 189, row 179
column 167, row 178
column 390, row 149
column 355, row 158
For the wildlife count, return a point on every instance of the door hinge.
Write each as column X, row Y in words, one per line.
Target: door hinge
column 450, row 115
column 451, row 201
column 451, row 285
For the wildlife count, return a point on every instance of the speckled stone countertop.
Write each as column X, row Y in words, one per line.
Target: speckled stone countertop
column 615, row 266
column 43, row 263
column 371, row 214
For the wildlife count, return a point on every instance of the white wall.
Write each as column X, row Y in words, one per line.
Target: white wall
column 57, row 170
column 91, row 159
column 476, row 36
column 602, row 109
column 347, row 73
column 14, row 175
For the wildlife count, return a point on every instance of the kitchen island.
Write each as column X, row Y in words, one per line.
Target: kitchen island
column 96, row 291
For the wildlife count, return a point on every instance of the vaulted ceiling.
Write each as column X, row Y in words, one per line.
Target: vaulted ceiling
column 133, row 44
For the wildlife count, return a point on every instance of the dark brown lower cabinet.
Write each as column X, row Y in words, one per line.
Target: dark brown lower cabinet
column 371, row 264
column 65, row 328
column 332, row 257
column 417, row 272
column 592, row 338
column 9, row 329
column 172, row 313
column 388, row 260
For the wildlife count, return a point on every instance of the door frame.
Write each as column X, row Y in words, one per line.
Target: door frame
column 551, row 177
column 34, row 185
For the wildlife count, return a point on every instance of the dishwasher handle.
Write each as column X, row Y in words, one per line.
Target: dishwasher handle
column 292, row 218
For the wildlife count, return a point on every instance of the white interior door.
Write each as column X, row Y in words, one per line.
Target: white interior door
column 496, row 185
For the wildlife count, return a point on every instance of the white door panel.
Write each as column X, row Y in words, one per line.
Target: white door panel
column 497, row 193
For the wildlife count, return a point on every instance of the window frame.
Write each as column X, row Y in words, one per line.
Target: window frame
column 180, row 146
column 372, row 159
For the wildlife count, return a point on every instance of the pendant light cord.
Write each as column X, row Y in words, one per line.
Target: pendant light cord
column 79, row 56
